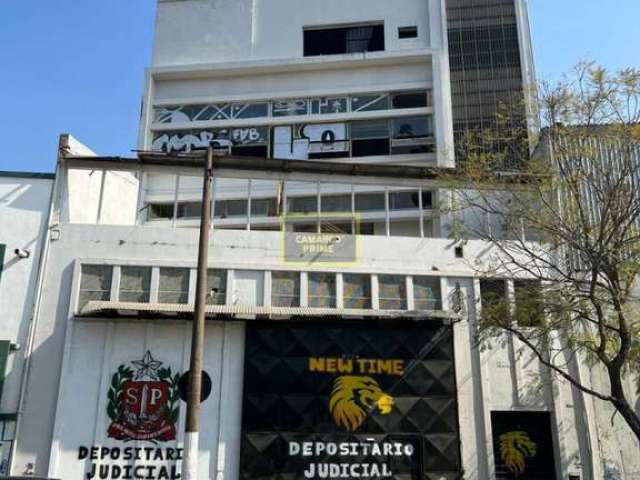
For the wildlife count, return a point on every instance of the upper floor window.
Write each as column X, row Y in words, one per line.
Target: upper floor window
column 216, row 286
column 407, row 32
column 95, row 283
column 356, row 290
column 337, row 40
column 426, row 293
column 285, row 289
column 322, row 290
column 135, row 284
column 529, row 305
column 392, row 292
column 493, row 294
column 174, row 285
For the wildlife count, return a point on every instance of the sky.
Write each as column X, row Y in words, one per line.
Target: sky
column 70, row 66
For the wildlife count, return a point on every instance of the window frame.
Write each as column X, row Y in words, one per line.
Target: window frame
column 403, row 290
column 143, row 292
column 107, row 292
column 377, row 36
column 297, row 288
column 333, row 295
column 184, row 293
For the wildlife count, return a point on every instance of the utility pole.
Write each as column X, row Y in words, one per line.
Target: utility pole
column 192, row 430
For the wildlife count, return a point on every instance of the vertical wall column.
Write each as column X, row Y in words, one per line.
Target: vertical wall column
column 471, row 411
column 443, row 117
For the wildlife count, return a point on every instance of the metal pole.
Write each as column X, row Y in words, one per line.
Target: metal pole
column 192, row 431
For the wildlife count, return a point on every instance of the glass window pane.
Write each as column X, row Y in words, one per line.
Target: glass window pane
column 236, row 208
column 305, row 227
column 367, row 38
column 189, row 210
column 286, row 108
column 249, row 110
column 285, row 289
column 332, row 41
column 356, row 290
column 370, row 129
column 329, row 105
column 230, row 208
column 493, row 295
column 135, row 284
column 264, row 207
column 340, row 228
column 302, row 204
column 412, row 127
column 403, row 200
column 160, row 210
column 367, row 202
column 368, row 103
column 392, row 292
column 408, row 146
column 336, row 203
column 322, row 290
column 426, row 293
column 216, row 286
column 529, row 307
column 409, row 100
column 174, row 285
column 370, row 147
column 95, row 283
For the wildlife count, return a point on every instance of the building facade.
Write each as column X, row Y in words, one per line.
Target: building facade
column 341, row 319
column 25, row 200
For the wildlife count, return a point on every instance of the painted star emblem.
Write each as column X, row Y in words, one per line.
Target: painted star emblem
column 147, row 367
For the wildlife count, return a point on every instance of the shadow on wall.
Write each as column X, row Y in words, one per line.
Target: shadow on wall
column 44, row 379
column 25, row 196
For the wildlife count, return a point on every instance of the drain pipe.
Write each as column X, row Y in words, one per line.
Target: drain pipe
column 63, row 147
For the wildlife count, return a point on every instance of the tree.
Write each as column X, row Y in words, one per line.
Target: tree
column 565, row 221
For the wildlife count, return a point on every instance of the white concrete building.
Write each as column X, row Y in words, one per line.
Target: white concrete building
column 332, row 356
column 25, row 200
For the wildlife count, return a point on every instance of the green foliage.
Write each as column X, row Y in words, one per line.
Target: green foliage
column 114, row 395
column 173, row 402
column 567, row 216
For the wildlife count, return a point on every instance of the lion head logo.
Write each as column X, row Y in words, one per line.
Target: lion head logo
column 353, row 398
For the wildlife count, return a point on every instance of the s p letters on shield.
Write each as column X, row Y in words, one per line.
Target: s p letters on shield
column 143, row 401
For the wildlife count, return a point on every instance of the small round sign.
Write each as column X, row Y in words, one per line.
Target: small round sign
column 183, row 386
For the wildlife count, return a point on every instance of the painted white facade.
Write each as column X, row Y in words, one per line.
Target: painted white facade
column 25, row 199
column 211, row 52
column 74, row 358
column 255, row 54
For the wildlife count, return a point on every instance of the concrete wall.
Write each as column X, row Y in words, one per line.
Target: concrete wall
column 95, row 350
column 110, row 200
column 24, row 211
column 95, row 196
column 219, row 50
column 202, row 31
column 74, row 359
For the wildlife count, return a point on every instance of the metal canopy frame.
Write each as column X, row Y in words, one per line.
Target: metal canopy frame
column 97, row 309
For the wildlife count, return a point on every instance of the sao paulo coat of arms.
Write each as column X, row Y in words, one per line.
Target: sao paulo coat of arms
column 143, row 401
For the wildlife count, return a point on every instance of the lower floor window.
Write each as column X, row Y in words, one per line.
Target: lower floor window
column 356, row 290
column 393, row 292
column 285, row 289
column 322, row 290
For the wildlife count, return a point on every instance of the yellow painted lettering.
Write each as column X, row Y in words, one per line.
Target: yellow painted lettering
column 317, row 365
